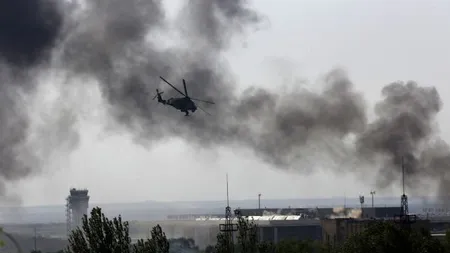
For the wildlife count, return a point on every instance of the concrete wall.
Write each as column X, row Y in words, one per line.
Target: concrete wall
column 280, row 233
column 380, row 212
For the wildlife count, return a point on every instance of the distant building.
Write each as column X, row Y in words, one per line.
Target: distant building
column 279, row 230
column 277, row 224
column 76, row 207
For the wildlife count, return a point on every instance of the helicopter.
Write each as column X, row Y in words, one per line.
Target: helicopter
column 184, row 104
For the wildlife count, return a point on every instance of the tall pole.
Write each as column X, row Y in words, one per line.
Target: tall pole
column 35, row 239
column 228, row 227
column 228, row 196
column 372, row 193
column 403, row 175
column 259, row 201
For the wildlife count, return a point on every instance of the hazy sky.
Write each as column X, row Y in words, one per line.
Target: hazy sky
column 376, row 41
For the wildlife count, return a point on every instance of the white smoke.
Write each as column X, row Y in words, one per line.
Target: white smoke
column 342, row 212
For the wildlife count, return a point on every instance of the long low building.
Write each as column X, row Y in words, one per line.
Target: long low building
column 204, row 230
column 274, row 224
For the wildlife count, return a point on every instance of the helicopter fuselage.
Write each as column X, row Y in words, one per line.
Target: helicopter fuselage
column 183, row 104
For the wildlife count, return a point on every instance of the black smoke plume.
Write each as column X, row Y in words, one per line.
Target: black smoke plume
column 123, row 46
column 29, row 30
column 404, row 135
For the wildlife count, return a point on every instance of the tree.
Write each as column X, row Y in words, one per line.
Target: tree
column 223, row 243
column 158, row 242
column 210, row 249
column 295, row 246
column 385, row 237
column 446, row 241
column 101, row 235
column 266, row 247
column 184, row 245
column 2, row 243
column 247, row 238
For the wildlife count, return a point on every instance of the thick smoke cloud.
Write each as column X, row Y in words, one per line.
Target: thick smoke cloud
column 122, row 46
column 405, row 134
column 291, row 130
column 29, row 30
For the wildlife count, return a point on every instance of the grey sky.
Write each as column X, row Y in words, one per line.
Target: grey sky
column 376, row 41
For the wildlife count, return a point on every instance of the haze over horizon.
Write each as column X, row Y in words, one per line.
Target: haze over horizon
column 377, row 43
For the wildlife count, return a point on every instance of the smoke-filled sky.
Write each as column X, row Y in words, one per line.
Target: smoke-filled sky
column 312, row 99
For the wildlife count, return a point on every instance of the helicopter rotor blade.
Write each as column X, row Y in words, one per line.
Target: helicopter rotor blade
column 185, row 89
column 172, row 86
column 199, row 100
column 203, row 110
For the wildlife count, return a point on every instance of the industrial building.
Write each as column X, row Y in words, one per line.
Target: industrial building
column 77, row 204
column 331, row 225
column 275, row 224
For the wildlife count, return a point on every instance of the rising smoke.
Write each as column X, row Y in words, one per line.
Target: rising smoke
column 118, row 45
column 29, row 31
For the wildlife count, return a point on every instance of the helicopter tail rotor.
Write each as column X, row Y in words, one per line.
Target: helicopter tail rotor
column 158, row 95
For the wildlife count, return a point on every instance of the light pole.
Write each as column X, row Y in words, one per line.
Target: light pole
column 259, row 201
column 372, row 193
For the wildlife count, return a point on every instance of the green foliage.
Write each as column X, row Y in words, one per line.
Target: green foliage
column 158, row 243
column 223, row 244
column 102, row 235
column 266, row 247
column 183, row 245
column 295, row 246
column 247, row 238
column 385, row 237
column 446, row 241
column 2, row 243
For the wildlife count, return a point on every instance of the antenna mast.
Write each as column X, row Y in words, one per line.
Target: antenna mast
column 228, row 196
column 404, row 198
column 228, row 228
column 404, row 218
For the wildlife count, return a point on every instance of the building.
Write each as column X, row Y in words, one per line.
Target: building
column 76, row 207
column 277, row 224
column 380, row 212
column 299, row 229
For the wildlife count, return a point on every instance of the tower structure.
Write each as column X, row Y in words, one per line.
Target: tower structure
column 76, row 207
column 404, row 218
column 372, row 193
column 229, row 227
column 404, row 199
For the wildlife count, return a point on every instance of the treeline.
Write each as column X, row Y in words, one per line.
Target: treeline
column 102, row 235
